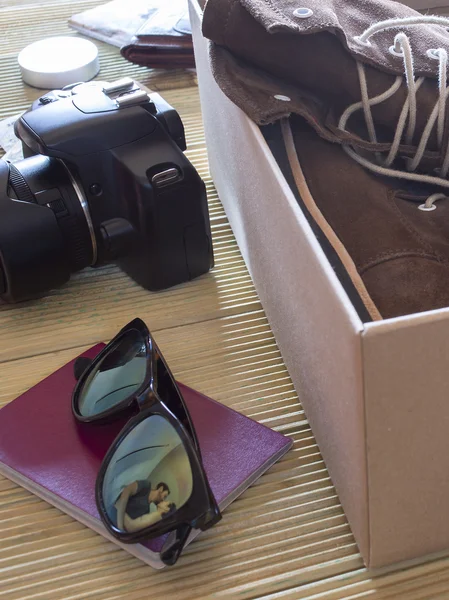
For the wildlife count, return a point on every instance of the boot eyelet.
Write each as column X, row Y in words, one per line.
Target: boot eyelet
column 394, row 52
column 433, row 53
column 302, row 12
column 361, row 42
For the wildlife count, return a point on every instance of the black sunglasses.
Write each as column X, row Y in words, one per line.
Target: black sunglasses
column 151, row 481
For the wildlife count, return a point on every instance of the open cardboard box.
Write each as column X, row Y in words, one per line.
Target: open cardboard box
column 376, row 394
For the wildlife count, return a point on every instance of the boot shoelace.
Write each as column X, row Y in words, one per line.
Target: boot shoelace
column 402, row 48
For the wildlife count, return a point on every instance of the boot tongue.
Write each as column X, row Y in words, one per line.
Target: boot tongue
column 319, row 53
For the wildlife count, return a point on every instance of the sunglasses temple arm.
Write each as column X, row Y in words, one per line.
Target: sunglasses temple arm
column 175, row 544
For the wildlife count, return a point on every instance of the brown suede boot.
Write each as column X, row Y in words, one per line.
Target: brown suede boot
column 364, row 150
column 395, row 253
column 370, row 74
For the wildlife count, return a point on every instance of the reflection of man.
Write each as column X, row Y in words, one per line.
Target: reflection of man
column 139, row 505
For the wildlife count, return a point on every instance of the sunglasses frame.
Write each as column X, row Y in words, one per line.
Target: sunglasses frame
column 200, row 511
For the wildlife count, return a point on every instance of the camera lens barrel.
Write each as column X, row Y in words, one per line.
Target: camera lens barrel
column 44, row 235
column 19, row 185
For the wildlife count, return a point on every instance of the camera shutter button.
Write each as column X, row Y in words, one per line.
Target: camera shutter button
column 132, row 98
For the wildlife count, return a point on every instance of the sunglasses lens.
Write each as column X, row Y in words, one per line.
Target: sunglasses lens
column 148, row 478
column 116, row 377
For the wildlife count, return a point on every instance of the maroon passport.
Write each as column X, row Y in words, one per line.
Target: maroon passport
column 44, row 449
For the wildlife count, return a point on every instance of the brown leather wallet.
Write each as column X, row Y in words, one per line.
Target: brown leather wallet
column 153, row 33
column 160, row 43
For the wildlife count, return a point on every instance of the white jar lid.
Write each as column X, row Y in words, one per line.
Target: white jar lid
column 55, row 62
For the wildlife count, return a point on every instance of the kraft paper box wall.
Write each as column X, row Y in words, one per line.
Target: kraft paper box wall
column 376, row 394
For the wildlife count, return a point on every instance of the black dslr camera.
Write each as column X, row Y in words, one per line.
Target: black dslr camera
column 104, row 179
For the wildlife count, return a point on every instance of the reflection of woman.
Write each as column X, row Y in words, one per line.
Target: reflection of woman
column 168, row 509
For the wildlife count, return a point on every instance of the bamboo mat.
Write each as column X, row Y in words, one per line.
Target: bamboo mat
column 284, row 538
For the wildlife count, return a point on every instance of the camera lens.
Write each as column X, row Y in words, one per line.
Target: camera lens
column 45, row 228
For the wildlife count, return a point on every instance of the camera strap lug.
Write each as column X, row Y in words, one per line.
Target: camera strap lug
column 166, row 177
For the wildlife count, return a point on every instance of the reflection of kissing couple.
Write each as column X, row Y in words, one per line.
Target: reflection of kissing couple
column 139, row 505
